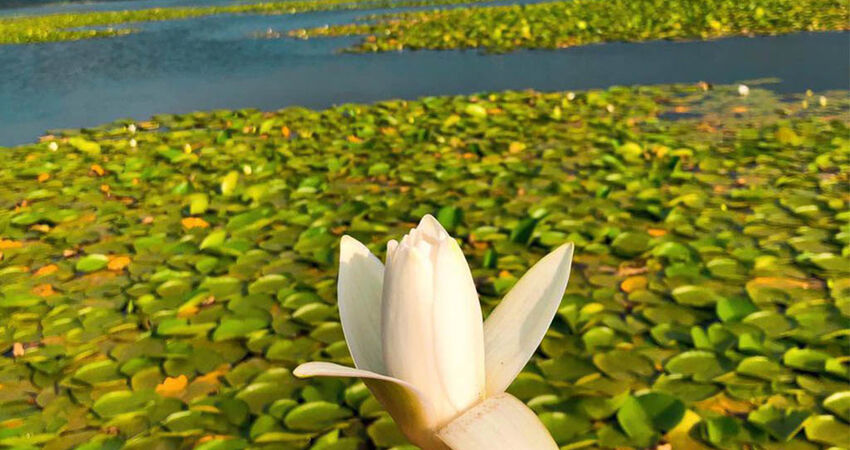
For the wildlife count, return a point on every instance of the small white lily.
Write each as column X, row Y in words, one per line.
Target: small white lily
column 415, row 333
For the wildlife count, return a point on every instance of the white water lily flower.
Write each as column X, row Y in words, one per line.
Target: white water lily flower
column 415, row 332
column 743, row 90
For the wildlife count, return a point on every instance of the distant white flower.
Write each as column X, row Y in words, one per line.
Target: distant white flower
column 571, row 96
column 131, row 128
column 743, row 90
column 822, row 100
column 415, row 333
column 53, row 146
column 133, row 143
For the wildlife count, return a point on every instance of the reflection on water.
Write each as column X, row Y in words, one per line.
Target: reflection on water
column 213, row 62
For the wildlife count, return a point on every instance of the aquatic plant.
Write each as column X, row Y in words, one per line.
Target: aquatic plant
column 71, row 26
column 571, row 23
column 159, row 296
column 415, row 334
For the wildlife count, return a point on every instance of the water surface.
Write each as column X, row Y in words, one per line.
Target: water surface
column 216, row 62
column 29, row 7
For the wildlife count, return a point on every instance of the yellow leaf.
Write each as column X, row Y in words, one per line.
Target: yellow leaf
column 187, row 311
column 43, row 290
column 42, row 177
column 118, row 263
column 194, row 222
column 680, row 436
column 46, row 270
column 632, row 284
column 172, row 386
column 722, row 404
column 451, row 120
column 7, row 244
column 43, row 228
column 97, row 170
column 516, row 147
column 782, row 283
column 656, row 232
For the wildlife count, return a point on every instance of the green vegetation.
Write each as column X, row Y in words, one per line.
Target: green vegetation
column 158, row 285
column 61, row 27
column 578, row 22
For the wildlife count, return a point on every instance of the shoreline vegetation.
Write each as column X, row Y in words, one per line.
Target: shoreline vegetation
column 580, row 22
column 159, row 280
column 61, row 26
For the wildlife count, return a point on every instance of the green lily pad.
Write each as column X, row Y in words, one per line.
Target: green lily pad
column 828, row 430
column 114, row 403
column 805, row 359
column 701, row 365
column 695, row 296
column 781, row 424
column 631, row 243
column 97, row 372
column 734, row 308
column 645, row 417
column 237, row 328
column 385, row 433
column 839, row 404
column 91, row 263
column 315, row 416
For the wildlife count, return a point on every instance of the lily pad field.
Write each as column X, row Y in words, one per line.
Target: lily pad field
column 161, row 279
column 580, row 22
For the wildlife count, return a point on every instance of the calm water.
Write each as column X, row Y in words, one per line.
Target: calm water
column 215, row 62
column 30, row 7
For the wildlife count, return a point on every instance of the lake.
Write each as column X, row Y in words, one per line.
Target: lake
column 218, row 62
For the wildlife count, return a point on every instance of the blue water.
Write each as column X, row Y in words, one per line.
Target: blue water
column 216, row 62
column 26, row 7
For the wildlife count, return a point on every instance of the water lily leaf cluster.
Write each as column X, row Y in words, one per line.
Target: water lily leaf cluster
column 570, row 23
column 160, row 280
column 98, row 24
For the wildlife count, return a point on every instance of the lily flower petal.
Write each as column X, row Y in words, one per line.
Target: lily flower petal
column 460, row 336
column 406, row 404
column 361, row 279
column 498, row 423
column 516, row 327
column 431, row 320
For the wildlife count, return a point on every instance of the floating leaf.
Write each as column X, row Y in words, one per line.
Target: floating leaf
column 631, row 243
column 315, row 416
column 828, row 430
column 91, row 263
column 646, row 416
column 781, row 424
